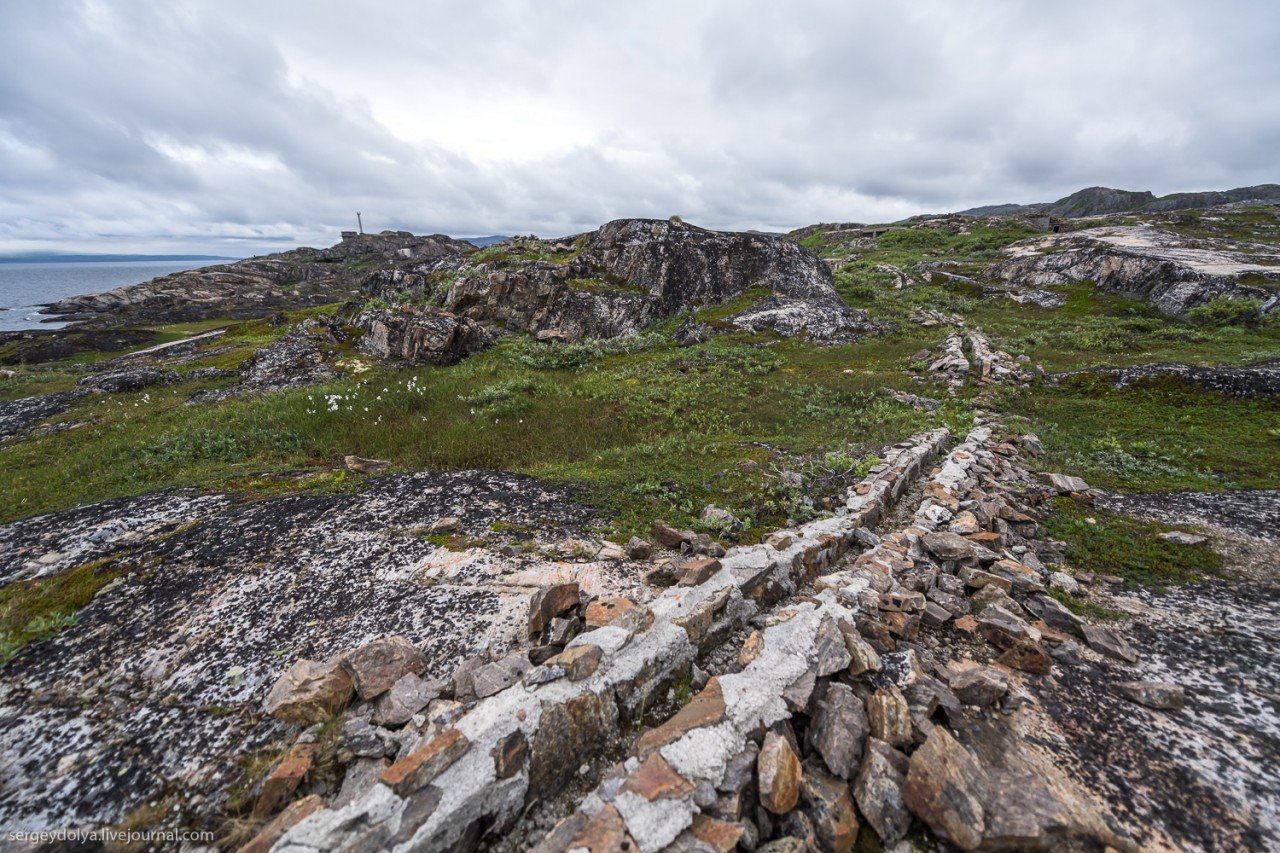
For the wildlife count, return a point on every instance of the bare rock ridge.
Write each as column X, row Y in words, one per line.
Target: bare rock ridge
column 1174, row 273
column 1098, row 201
column 631, row 272
column 259, row 286
column 612, row 281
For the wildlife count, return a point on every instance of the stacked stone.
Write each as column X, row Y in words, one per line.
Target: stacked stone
column 994, row 365
column 952, row 363
column 503, row 729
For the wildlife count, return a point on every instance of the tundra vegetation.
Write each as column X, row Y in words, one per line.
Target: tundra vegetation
column 646, row 426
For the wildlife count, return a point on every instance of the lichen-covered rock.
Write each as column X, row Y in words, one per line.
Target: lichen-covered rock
column 134, row 379
column 435, row 338
column 945, row 788
column 1174, row 273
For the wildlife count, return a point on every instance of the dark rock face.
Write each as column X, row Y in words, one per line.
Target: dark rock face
column 1171, row 272
column 258, row 286
column 128, row 380
column 438, row 338
column 632, row 272
column 17, row 417
column 1237, row 381
column 299, row 358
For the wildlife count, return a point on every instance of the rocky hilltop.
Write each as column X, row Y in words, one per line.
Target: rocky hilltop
column 1101, row 201
column 1176, row 274
column 610, row 282
column 955, row 533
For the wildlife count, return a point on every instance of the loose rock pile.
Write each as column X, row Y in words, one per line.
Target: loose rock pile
column 992, row 365
column 859, row 678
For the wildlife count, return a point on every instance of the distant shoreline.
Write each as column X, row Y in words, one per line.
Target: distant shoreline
column 44, row 258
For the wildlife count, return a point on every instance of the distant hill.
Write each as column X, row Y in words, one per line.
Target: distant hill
column 61, row 258
column 481, row 242
column 1098, row 201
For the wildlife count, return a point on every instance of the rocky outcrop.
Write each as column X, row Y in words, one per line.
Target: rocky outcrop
column 420, row 336
column 18, row 417
column 303, row 356
column 1176, row 274
column 1263, row 380
column 632, row 272
column 1098, row 201
column 258, row 286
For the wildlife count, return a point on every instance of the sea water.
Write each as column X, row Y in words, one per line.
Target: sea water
column 24, row 287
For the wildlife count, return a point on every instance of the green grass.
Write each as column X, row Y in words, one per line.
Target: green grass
column 1081, row 607
column 34, row 610
column 1109, row 544
column 645, row 428
column 1153, row 435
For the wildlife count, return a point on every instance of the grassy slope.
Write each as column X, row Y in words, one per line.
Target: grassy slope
column 662, row 431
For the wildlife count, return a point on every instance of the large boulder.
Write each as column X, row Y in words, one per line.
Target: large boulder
column 309, row 692
column 437, row 337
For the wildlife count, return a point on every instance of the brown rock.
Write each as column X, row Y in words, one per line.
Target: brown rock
column 697, row 571
column 981, row 685
column 284, row 779
column 309, row 692
column 379, row 664
column 1028, row 657
column 655, row 780
column 421, row 766
column 1160, row 695
column 838, row 729
column 510, row 755
column 945, row 787
column 569, row 730
column 1107, row 642
column 667, row 535
column 705, row 709
column 579, row 662
column 830, row 651
column 778, row 774
column 889, row 716
column 717, row 835
column 603, row 611
column 604, row 833
column 285, row 821
column 548, row 603
column 878, row 791
column 966, row 624
column 751, row 649
column 829, row 805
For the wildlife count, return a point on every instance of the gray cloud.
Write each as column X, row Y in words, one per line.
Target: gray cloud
column 226, row 126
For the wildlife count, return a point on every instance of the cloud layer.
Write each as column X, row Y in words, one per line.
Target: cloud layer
column 242, row 126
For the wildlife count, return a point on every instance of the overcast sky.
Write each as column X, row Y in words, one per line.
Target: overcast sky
column 243, row 126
